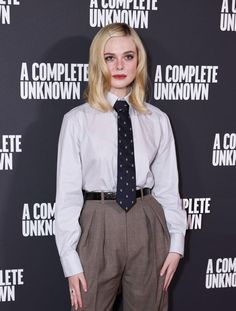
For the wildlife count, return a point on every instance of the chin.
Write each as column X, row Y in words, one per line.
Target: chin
column 121, row 84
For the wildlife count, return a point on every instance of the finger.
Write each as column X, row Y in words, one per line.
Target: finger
column 167, row 276
column 165, row 281
column 72, row 291
column 163, row 269
column 75, row 296
column 76, row 304
column 71, row 298
column 169, row 281
column 78, row 297
column 84, row 283
column 74, row 300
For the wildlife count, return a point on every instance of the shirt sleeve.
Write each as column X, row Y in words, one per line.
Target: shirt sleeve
column 69, row 196
column 165, row 190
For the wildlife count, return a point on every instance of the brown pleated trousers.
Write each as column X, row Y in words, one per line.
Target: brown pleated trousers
column 126, row 249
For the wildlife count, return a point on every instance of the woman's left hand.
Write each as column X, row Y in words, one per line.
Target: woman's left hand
column 169, row 267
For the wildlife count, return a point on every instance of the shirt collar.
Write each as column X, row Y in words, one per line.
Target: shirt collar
column 112, row 98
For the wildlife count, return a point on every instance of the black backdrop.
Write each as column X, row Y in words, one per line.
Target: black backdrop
column 191, row 47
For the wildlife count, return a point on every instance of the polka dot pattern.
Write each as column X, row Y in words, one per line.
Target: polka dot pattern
column 126, row 179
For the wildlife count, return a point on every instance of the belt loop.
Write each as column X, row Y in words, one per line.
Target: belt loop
column 141, row 190
column 102, row 196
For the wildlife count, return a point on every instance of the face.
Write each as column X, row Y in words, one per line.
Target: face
column 120, row 55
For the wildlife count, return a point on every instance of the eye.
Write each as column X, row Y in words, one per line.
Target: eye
column 109, row 58
column 129, row 56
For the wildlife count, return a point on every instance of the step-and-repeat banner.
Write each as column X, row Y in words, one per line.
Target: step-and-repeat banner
column 191, row 47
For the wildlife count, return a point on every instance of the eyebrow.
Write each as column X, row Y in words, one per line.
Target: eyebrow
column 127, row 52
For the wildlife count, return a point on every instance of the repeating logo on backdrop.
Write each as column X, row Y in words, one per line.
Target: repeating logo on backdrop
column 5, row 10
column 132, row 12
column 52, row 80
column 220, row 273
column 10, row 279
column 9, row 145
column 224, row 150
column 196, row 208
column 179, row 82
column 38, row 219
column 228, row 15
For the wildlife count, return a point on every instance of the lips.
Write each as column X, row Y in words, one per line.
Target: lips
column 119, row 77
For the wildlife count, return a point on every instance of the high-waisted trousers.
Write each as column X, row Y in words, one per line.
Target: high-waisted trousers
column 127, row 249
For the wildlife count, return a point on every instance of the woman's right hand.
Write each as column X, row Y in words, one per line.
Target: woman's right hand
column 74, row 287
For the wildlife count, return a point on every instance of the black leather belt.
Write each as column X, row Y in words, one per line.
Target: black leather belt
column 112, row 195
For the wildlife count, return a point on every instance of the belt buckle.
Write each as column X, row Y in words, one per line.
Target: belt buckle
column 110, row 196
column 141, row 191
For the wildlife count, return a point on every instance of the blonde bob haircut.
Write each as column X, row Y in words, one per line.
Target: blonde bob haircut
column 99, row 76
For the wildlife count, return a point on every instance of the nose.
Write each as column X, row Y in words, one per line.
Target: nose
column 119, row 64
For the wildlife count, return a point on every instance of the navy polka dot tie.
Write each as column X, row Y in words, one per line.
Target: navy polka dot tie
column 126, row 179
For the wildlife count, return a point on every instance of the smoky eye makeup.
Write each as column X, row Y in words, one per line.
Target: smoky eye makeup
column 108, row 57
column 127, row 55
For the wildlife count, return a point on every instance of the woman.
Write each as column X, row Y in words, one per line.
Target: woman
column 117, row 174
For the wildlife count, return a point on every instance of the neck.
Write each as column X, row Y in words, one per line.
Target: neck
column 120, row 92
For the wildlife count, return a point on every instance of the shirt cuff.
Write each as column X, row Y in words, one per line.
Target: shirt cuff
column 177, row 243
column 71, row 264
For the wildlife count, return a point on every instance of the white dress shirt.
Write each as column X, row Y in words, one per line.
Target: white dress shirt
column 87, row 159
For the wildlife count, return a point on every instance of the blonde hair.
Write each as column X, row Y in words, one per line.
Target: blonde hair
column 99, row 76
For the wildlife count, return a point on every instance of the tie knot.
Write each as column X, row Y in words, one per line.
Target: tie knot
column 121, row 106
